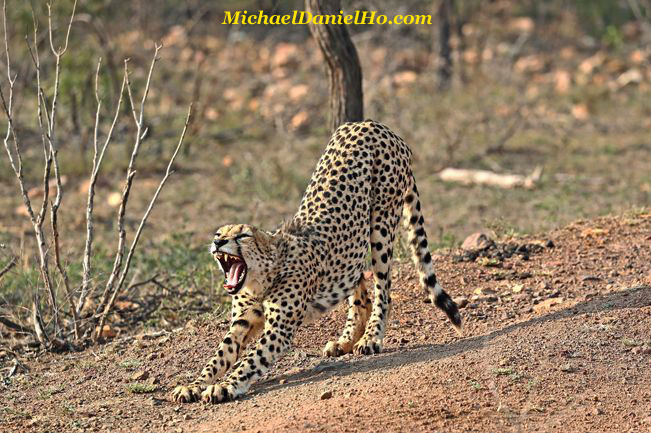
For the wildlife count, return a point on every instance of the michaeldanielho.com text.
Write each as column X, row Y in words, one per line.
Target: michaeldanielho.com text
column 304, row 17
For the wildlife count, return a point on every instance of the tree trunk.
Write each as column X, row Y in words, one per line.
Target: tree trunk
column 445, row 54
column 344, row 71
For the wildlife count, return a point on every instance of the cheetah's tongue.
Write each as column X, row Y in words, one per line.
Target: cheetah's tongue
column 234, row 274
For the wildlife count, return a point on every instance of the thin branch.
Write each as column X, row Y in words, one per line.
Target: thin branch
column 60, row 51
column 37, row 220
column 98, row 156
column 8, row 267
column 138, row 118
column 143, row 221
column 15, row 326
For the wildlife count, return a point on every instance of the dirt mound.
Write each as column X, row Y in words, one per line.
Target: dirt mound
column 557, row 342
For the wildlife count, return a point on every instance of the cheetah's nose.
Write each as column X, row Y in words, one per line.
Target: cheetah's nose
column 220, row 242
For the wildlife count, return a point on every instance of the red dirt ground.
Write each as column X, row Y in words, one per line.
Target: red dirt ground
column 560, row 342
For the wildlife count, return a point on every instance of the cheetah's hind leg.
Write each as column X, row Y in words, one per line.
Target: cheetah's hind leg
column 359, row 311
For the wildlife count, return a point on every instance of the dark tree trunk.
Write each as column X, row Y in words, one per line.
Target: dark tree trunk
column 344, row 71
column 445, row 54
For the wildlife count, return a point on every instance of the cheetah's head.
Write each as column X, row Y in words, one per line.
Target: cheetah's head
column 243, row 253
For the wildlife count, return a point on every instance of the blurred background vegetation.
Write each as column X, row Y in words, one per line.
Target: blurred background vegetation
column 558, row 84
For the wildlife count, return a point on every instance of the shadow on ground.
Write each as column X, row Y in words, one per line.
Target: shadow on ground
column 635, row 297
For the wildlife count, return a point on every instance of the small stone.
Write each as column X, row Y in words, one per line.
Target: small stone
column 567, row 368
column 547, row 304
column 326, row 395
column 282, row 381
column 151, row 356
column 186, row 417
column 461, row 301
column 596, row 411
column 544, row 286
column 139, row 375
column 517, row 288
column 476, row 241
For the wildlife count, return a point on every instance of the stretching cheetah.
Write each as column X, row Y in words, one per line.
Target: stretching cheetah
column 279, row 280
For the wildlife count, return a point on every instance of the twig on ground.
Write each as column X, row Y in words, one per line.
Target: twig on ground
column 15, row 326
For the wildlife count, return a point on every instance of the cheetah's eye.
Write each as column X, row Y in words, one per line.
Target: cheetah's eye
column 243, row 236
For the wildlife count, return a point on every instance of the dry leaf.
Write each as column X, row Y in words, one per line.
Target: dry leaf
column 405, row 77
column 296, row 93
column 580, row 111
column 593, row 232
column 114, row 199
column 562, row 81
column 126, row 305
column 107, row 332
column 522, row 25
column 632, row 76
column 299, row 120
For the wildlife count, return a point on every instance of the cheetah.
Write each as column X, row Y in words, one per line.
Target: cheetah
column 360, row 189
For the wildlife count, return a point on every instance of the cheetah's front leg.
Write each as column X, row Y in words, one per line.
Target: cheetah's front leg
column 359, row 311
column 275, row 340
column 245, row 324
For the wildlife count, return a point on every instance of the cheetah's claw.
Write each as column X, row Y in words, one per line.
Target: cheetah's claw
column 367, row 346
column 217, row 394
column 186, row 394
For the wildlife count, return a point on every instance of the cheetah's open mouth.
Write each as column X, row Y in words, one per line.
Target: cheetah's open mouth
column 234, row 268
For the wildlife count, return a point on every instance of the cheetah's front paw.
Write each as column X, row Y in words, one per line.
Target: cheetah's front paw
column 186, row 394
column 218, row 393
column 367, row 346
column 337, row 348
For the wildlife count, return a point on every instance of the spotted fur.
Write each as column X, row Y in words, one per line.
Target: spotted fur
column 362, row 186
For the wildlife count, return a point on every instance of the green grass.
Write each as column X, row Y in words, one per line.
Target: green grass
column 141, row 388
column 129, row 364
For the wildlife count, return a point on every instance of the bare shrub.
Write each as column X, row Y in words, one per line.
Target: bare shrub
column 56, row 333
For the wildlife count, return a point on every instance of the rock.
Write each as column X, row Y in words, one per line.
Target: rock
column 596, row 411
column 485, row 291
column 567, row 368
column 326, row 395
column 517, row 288
column 461, row 301
column 139, row 375
column 151, row 356
column 547, row 304
column 476, row 241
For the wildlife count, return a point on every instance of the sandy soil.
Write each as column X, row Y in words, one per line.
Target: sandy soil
column 559, row 342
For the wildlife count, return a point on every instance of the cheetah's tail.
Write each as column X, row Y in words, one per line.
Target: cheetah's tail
column 414, row 224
